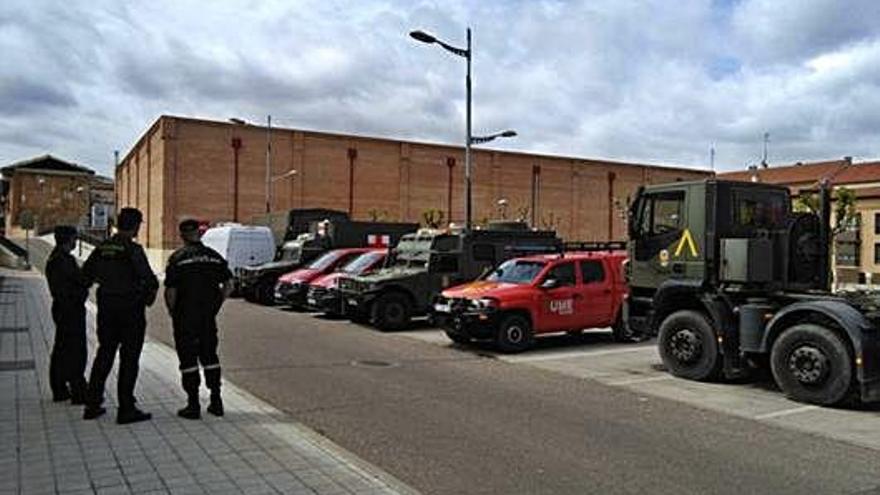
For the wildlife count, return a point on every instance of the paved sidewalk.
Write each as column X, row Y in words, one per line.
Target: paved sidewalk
column 48, row 448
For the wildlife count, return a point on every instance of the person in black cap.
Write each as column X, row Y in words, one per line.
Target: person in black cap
column 197, row 281
column 126, row 286
column 67, row 365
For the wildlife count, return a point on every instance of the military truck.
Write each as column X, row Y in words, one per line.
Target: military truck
column 730, row 278
column 424, row 263
column 258, row 283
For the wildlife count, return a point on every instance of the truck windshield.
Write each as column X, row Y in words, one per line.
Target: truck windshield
column 412, row 251
column 362, row 262
column 290, row 252
column 325, row 261
column 516, row 272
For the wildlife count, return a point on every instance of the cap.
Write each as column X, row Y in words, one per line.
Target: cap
column 129, row 218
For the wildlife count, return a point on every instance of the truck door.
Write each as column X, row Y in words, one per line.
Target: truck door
column 659, row 228
column 594, row 306
column 557, row 299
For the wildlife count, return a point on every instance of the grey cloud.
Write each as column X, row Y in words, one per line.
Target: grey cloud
column 19, row 96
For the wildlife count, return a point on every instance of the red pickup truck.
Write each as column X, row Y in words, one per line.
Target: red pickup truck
column 536, row 295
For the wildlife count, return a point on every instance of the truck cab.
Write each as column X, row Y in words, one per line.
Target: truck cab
column 425, row 263
column 730, row 278
column 292, row 287
column 536, row 295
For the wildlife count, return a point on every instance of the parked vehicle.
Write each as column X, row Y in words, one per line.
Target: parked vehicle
column 323, row 293
column 535, row 295
column 258, row 283
column 241, row 245
column 292, row 287
column 425, row 263
column 731, row 278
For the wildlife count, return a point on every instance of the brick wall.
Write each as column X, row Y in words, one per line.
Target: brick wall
column 54, row 202
column 186, row 168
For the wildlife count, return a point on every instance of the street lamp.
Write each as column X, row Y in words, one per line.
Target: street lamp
column 469, row 139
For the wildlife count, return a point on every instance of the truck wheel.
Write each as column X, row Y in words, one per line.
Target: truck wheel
column 265, row 292
column 391, row 312
column 688, row 347
column 514, row 334
column 812, row 364
column 457, row 337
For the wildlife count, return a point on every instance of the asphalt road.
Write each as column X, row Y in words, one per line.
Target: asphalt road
column 447, row 421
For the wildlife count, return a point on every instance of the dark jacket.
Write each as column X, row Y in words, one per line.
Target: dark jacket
column 197, row 271
column 120, row 268
column 66, row 281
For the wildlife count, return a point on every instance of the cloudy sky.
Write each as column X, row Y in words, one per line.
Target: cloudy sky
column 652, row 81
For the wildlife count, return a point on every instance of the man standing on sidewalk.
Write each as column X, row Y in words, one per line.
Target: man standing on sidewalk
column 126, row 286
column 197, row 281
column 67, row 365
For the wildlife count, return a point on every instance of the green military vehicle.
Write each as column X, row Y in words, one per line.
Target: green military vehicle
column 729, row 277
column 428, row 261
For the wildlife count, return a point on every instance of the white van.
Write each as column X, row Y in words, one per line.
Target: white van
column 241, row 245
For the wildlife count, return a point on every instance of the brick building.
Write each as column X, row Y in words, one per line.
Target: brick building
column 856, row 249
column 216, row 171
column 52, row 190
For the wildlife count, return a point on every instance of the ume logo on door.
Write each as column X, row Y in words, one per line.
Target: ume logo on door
column 562, row 306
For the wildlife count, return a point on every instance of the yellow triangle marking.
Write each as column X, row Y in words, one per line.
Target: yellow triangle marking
column 686, row 238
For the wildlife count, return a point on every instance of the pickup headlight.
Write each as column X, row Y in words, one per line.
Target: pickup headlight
column 484, row 304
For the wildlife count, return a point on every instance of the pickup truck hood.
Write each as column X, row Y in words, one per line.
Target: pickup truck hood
column 302, row 276
column 483, row 288
column 272, row 265
column 327, row 281
column 392, row 273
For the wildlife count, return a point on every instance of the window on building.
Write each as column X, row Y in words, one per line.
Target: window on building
column 877, row 223
column 877, row 253
column 848, row 244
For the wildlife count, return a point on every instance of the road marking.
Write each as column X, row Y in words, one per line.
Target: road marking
column 633, row 381
column 786, row 412
column 572, row 354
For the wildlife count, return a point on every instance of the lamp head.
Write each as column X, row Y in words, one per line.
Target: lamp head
column 423, row 37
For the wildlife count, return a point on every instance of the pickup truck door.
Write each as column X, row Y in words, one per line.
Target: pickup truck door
column 557, row 304
column 595, row 305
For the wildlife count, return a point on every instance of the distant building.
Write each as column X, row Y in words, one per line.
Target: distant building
column 857, row 249
column 217, row 171
column 49, row 190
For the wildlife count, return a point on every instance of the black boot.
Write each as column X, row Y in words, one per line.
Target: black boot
column 93, row 412
column 132, row 415
column 193, row 409
column 216, row 405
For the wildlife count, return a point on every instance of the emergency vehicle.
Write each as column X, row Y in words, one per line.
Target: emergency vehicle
column 292, row 287
column 535, row 295
column 324, row 295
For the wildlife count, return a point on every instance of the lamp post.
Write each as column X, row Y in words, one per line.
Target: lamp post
column 466, row 53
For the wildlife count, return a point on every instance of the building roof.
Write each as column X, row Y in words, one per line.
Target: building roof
column 798, row 173
column 47, row 163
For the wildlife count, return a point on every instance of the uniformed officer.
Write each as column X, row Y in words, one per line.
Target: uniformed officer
column 67, row 365
column 126, row 286
column 197, row 281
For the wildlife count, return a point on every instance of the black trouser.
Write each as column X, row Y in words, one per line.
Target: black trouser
column 121, row 327
column 195, row 338
column 67, row 365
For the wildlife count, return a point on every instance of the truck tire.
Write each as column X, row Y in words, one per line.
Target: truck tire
column 812, row 364
column 514, row 334
column 391, row 312
column 688, row 346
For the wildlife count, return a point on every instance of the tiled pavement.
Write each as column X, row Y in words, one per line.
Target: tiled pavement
column 47, row 447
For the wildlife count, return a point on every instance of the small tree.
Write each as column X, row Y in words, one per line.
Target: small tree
column 844, row 212
column 433, row 218
column 377, row 215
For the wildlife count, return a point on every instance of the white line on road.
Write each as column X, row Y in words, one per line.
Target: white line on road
column 634, row 381
column 571, row 354
column 786, row 412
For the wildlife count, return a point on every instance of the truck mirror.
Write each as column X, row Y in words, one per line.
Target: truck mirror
column 550, row 283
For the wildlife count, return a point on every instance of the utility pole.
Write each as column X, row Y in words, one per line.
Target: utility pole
column 268, row 164
column 766, row 142
column 712, row 158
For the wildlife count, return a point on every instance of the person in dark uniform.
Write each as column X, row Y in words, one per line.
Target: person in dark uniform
column 197, row 281
column 67, row 365
column 126, row 286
